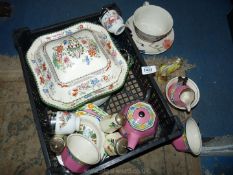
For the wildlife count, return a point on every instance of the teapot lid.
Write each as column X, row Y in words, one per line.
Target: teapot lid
column 141, row 116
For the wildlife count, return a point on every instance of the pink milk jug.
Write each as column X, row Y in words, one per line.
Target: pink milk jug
column 141, row 123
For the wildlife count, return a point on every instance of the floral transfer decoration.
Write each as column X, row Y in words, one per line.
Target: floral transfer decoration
column 58, row 84
column 90, row 128
column 141, row 126
column 167, row 43
column 146, row 47
column 64, row 118
column 110, row 148
column 84, row 113
column 113, row 125
column 73, row 48
column 113, row 17
column 88, row 133
column 185, row 141
column 44, row 75
column 79, row 56
column 162, row 46
column 98, row 112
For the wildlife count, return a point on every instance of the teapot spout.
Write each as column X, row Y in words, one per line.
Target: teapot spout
column 132, row 141
column 188, row 108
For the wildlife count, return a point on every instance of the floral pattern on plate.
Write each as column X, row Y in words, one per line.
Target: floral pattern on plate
column 147, row 47
column 74, row 48
column 55, row 61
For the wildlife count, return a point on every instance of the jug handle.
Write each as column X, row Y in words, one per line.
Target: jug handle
column 148, row 94
column 182, row 80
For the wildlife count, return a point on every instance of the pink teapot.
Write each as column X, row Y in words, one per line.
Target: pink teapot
column 142, row 123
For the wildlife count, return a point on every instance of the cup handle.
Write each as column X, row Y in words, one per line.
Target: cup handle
column 146, row 3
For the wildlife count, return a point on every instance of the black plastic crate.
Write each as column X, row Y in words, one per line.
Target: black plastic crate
column 135, row 88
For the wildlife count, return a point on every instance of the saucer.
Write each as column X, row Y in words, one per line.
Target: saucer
column 147, row 47
column 192, row 86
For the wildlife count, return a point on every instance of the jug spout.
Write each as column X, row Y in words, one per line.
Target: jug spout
column 132, row 141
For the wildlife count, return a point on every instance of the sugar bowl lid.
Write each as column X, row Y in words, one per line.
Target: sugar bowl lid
column 141, row 116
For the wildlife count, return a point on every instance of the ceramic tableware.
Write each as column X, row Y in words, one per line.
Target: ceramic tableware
column 76, row 65
column 190, row 141
column 182, row 93
column 115, row 144
column 79, row 154
column 112, row 21
column 90, row 129
column 57, row 144
column 151, row 48
column 99, row 115
column 175, row 91
column 112, row 122
column 187, row 97
column 151, row 28
column 142, row 123
column 64, row 122
column 152, row 23
column 94, row 110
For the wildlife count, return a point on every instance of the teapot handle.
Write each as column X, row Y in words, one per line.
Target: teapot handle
column 148, row 94
column 182, row 80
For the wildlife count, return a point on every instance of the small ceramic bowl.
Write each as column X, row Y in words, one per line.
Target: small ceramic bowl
column 190, row 84
column 152, row 23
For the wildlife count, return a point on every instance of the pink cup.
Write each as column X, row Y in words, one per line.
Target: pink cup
column 190, row 141
column 71, row 164
column 79, row 154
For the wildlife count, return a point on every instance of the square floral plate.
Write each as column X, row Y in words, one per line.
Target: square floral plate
column 76, row 65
